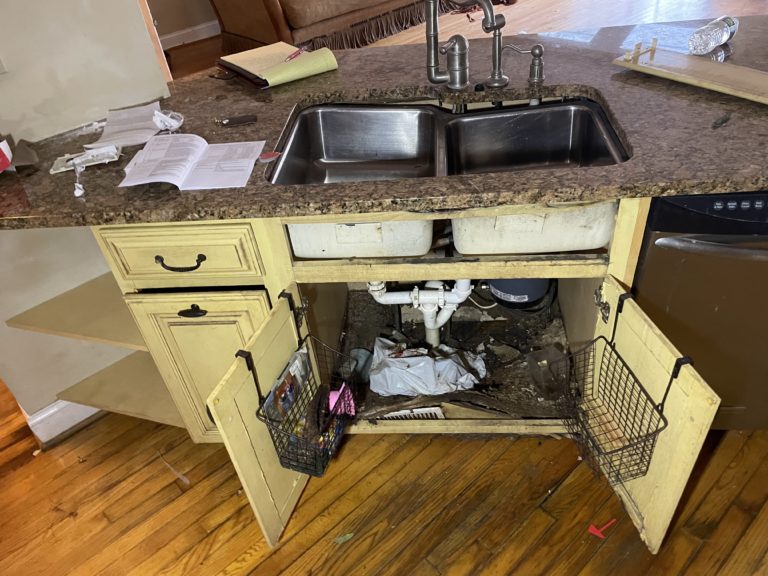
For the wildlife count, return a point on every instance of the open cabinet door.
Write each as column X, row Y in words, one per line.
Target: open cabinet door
column 272, row 490
column 690, row 407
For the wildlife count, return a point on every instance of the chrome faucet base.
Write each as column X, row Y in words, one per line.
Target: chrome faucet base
column 499, row 82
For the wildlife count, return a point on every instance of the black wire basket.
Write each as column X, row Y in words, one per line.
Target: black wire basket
column 307, row 435
column 608, row 411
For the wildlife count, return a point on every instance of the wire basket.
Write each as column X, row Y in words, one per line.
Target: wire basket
column 307, row 436
column 608, row 411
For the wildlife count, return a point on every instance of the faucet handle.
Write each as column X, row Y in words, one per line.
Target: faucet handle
column 448, row 45
column 517, row 48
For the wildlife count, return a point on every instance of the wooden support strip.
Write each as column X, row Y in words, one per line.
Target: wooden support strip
column 418, row 269
column 480, row 426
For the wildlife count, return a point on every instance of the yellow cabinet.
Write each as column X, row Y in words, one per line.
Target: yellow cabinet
column 192, row 338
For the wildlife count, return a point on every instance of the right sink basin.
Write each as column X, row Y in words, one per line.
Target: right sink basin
column 560, row 134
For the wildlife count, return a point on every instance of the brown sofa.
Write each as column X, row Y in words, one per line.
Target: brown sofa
column 337, row 24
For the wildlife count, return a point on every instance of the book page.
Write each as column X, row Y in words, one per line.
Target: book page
column 304, row 66
column 165, row 158
column 259, row 60
column 224, row 166
column 128, row 127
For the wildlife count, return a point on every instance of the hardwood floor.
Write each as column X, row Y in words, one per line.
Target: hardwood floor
column 126, row 496
column 532, row 16
column 17, row 443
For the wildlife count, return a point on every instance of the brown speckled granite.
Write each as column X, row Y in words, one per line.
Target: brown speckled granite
column 667, row 126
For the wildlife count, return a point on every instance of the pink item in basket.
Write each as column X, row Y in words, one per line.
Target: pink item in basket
column 333, row 398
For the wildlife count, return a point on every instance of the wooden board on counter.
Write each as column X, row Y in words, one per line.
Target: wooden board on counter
column 700, row 71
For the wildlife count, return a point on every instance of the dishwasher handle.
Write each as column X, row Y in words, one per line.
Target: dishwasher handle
column 741, row 247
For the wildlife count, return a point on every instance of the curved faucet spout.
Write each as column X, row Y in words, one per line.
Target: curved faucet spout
column 490, row 22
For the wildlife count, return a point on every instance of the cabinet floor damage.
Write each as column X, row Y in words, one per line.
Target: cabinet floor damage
column 517, row 347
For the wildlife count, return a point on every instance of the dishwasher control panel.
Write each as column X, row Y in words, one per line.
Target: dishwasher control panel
column 732, row 213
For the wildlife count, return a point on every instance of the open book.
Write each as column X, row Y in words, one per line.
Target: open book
column 270, row 65
column 190, row 163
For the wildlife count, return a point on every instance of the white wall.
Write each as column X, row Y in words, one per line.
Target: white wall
column 36, row 265
column 69, row 61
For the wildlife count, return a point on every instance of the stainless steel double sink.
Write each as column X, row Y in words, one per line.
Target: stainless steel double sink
column 361, row 142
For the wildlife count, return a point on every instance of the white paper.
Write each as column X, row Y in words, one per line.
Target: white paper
column 129, row 127
column 166, row 158
column 190, row 163
column 224, row 166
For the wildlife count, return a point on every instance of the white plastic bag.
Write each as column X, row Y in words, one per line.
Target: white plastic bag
column 396, row 370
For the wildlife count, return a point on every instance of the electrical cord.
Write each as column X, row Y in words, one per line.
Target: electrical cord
column 482, row 306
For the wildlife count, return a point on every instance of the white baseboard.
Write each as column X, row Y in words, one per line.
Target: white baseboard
column 57, row 418
column 191, row 34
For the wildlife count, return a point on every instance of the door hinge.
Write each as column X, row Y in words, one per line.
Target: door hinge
column 298, row 311
column 602, row 305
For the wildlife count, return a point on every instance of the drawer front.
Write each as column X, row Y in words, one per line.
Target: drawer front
column 191, row 337
column 181, row 255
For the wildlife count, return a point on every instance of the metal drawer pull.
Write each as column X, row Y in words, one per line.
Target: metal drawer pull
column 193, row 311
column 200, row 259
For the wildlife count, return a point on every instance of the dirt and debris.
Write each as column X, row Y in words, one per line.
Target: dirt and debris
column 518, row 348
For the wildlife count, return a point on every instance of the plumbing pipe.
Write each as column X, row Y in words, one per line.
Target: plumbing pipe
column 379, row 292
column 458, row 294
column 435, row 303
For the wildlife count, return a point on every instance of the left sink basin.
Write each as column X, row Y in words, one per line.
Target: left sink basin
column 352, row 143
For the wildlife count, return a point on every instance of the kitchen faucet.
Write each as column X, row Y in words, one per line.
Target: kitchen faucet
column 457, row 48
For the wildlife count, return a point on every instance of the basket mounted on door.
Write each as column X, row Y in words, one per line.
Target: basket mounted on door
column 309, row 406
column 608, row 411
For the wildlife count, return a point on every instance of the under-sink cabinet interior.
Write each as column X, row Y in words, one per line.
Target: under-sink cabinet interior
column 188, row 297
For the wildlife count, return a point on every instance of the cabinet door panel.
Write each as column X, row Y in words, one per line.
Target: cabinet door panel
column 272, row 490
column 690, row 407
column 193, row 353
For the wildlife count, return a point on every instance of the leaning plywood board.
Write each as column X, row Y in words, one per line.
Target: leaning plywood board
column 94, row 311
column 700, row 71
column 272, row 490
column 690, row 407
column 131, row 386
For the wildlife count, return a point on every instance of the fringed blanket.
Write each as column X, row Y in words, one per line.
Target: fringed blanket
column 380, row 27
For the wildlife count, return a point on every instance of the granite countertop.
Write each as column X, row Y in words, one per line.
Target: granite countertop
column 667, row 126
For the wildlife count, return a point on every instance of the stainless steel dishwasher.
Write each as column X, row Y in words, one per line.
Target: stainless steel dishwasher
column 703, row 279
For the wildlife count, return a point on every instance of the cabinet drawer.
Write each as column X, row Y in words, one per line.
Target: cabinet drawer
column 181, row 255
column 191, row 337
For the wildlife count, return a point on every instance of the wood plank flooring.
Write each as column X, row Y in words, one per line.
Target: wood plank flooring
column 17, row 443
column 125, row 496
column 533, row 16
